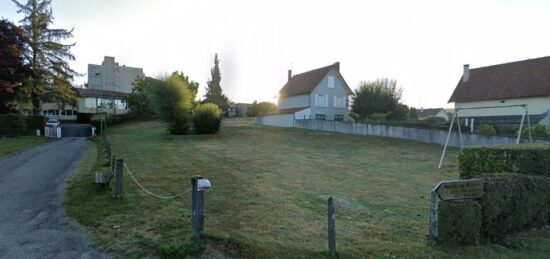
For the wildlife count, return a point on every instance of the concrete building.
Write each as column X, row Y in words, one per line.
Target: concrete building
column 524, row 82
column 111, row 76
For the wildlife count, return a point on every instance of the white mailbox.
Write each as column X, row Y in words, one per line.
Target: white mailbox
column 203, row 184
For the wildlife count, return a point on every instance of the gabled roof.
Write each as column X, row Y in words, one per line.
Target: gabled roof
column 520, row 79
column 428, row 112
column 88, row 92
column 304, row 83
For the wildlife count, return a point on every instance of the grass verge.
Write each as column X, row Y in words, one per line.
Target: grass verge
column 12, row 145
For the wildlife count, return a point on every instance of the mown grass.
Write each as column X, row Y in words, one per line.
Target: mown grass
column 270, row 189
column 12, row 145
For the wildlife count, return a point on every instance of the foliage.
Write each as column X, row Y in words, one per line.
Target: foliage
column 256, row 108
column 513, row 202
column 537, row 131
column 214, row 93
column 401, row 112
column 459, row 222
column 13, row 125
column 380, row 96
column 172, row 103
column 533, row 159
column 193, row 86
column 48, row 58
column 486, row 129
column 181, row 249
column 35, row 122
column 140, row 99
column 207, row 118
column 413, row 114
column 12, row 68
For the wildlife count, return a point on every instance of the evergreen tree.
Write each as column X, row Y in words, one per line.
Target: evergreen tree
column 47, row 57
column 12, row 68
column 214, row 93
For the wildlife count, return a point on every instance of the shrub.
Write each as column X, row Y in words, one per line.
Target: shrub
column 207, row 118
column 537, row 131
column 172, row 102
column 531, row 159
column 486, row 129
column 513, row 202
column 459, row 222
column 13, row 125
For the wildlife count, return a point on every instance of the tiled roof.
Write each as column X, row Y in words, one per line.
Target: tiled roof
column 87, row 92
column 304, row 83
column 521, row 79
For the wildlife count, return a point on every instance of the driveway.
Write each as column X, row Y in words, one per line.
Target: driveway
column 33, row 223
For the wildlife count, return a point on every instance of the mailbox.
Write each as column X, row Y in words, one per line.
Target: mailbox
column 203, row 184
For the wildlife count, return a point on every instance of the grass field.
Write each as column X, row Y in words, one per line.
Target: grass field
column 269, row 195
column 11, row 145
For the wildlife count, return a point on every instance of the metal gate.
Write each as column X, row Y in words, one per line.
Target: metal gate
column 76, row 130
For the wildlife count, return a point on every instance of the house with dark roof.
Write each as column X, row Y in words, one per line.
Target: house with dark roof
column 524, row 82
column 424, row 113
column 320, row 94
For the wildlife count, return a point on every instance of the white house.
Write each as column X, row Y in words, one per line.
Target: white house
column 320, row 94
column 516, row 83
column 423, row 113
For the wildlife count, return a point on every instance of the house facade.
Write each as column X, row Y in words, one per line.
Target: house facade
column 508, row 86
column 111, row 76
column 320, row 94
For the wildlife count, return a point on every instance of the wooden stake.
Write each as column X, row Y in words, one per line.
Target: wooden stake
column 197, row 207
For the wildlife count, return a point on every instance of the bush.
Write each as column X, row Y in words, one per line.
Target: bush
column 172, row 102
column 207, row 118
column 113, row 119
column 459, row 222
column 486, row 129
column 538, row 131
column 513, row 202
column 533, row 159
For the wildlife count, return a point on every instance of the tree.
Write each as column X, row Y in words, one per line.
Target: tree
column 192, row 85
column 381, row 96
column 51, row 75
column 140, row 100
column 172, row 103
column 13, row 71
column 214, row 93
column 256, row 108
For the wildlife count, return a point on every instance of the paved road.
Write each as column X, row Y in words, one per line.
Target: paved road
column 33, row 223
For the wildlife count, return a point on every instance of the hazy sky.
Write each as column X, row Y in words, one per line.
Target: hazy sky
column 421, row 44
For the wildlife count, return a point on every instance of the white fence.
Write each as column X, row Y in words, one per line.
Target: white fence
column 432, row 136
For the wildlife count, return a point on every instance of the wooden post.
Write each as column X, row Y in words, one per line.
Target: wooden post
column 434, row 217
column 118, row 178
column 197, row 207
column 331, row 229
column 113, row 161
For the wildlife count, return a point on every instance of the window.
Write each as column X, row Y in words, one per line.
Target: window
column 340, row 101
column 321, row 100
column 320, row 116
column 330, row 82
column 338, row 117
column 120, row 104
column 90, row 103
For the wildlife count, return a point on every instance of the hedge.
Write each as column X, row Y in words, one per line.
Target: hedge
column 207, row 118
column 459, row 222
column 17, row 124
column 532, row 159
column 114, row 119
column 513, row 202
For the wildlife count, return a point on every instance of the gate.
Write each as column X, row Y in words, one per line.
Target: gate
column 76, row 130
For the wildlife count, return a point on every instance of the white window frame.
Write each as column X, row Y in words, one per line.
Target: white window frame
column 331, row 81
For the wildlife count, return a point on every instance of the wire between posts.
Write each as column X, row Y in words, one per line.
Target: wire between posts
column 151, row 193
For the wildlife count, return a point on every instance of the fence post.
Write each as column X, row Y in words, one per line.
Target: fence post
column 118, row 178
column 113, row 162
column 331, row 229
column 197, row 207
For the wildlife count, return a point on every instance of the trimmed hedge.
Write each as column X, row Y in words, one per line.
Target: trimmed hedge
column 111, row 120
column 532, row 159
column 459, row 222
column 513, row 202
column 18, row 125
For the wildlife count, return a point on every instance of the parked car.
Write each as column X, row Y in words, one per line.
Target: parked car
column 52, row 123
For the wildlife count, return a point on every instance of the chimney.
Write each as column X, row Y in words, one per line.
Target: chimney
column 466, row 74
column 289, row 74
column 337, row 66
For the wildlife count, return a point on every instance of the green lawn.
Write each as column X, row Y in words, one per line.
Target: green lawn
column 269, row 195
column 11, row 145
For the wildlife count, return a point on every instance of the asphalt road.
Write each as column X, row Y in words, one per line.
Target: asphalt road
column 33, row 223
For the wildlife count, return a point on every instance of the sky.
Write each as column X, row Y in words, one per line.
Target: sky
column 421, row 44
